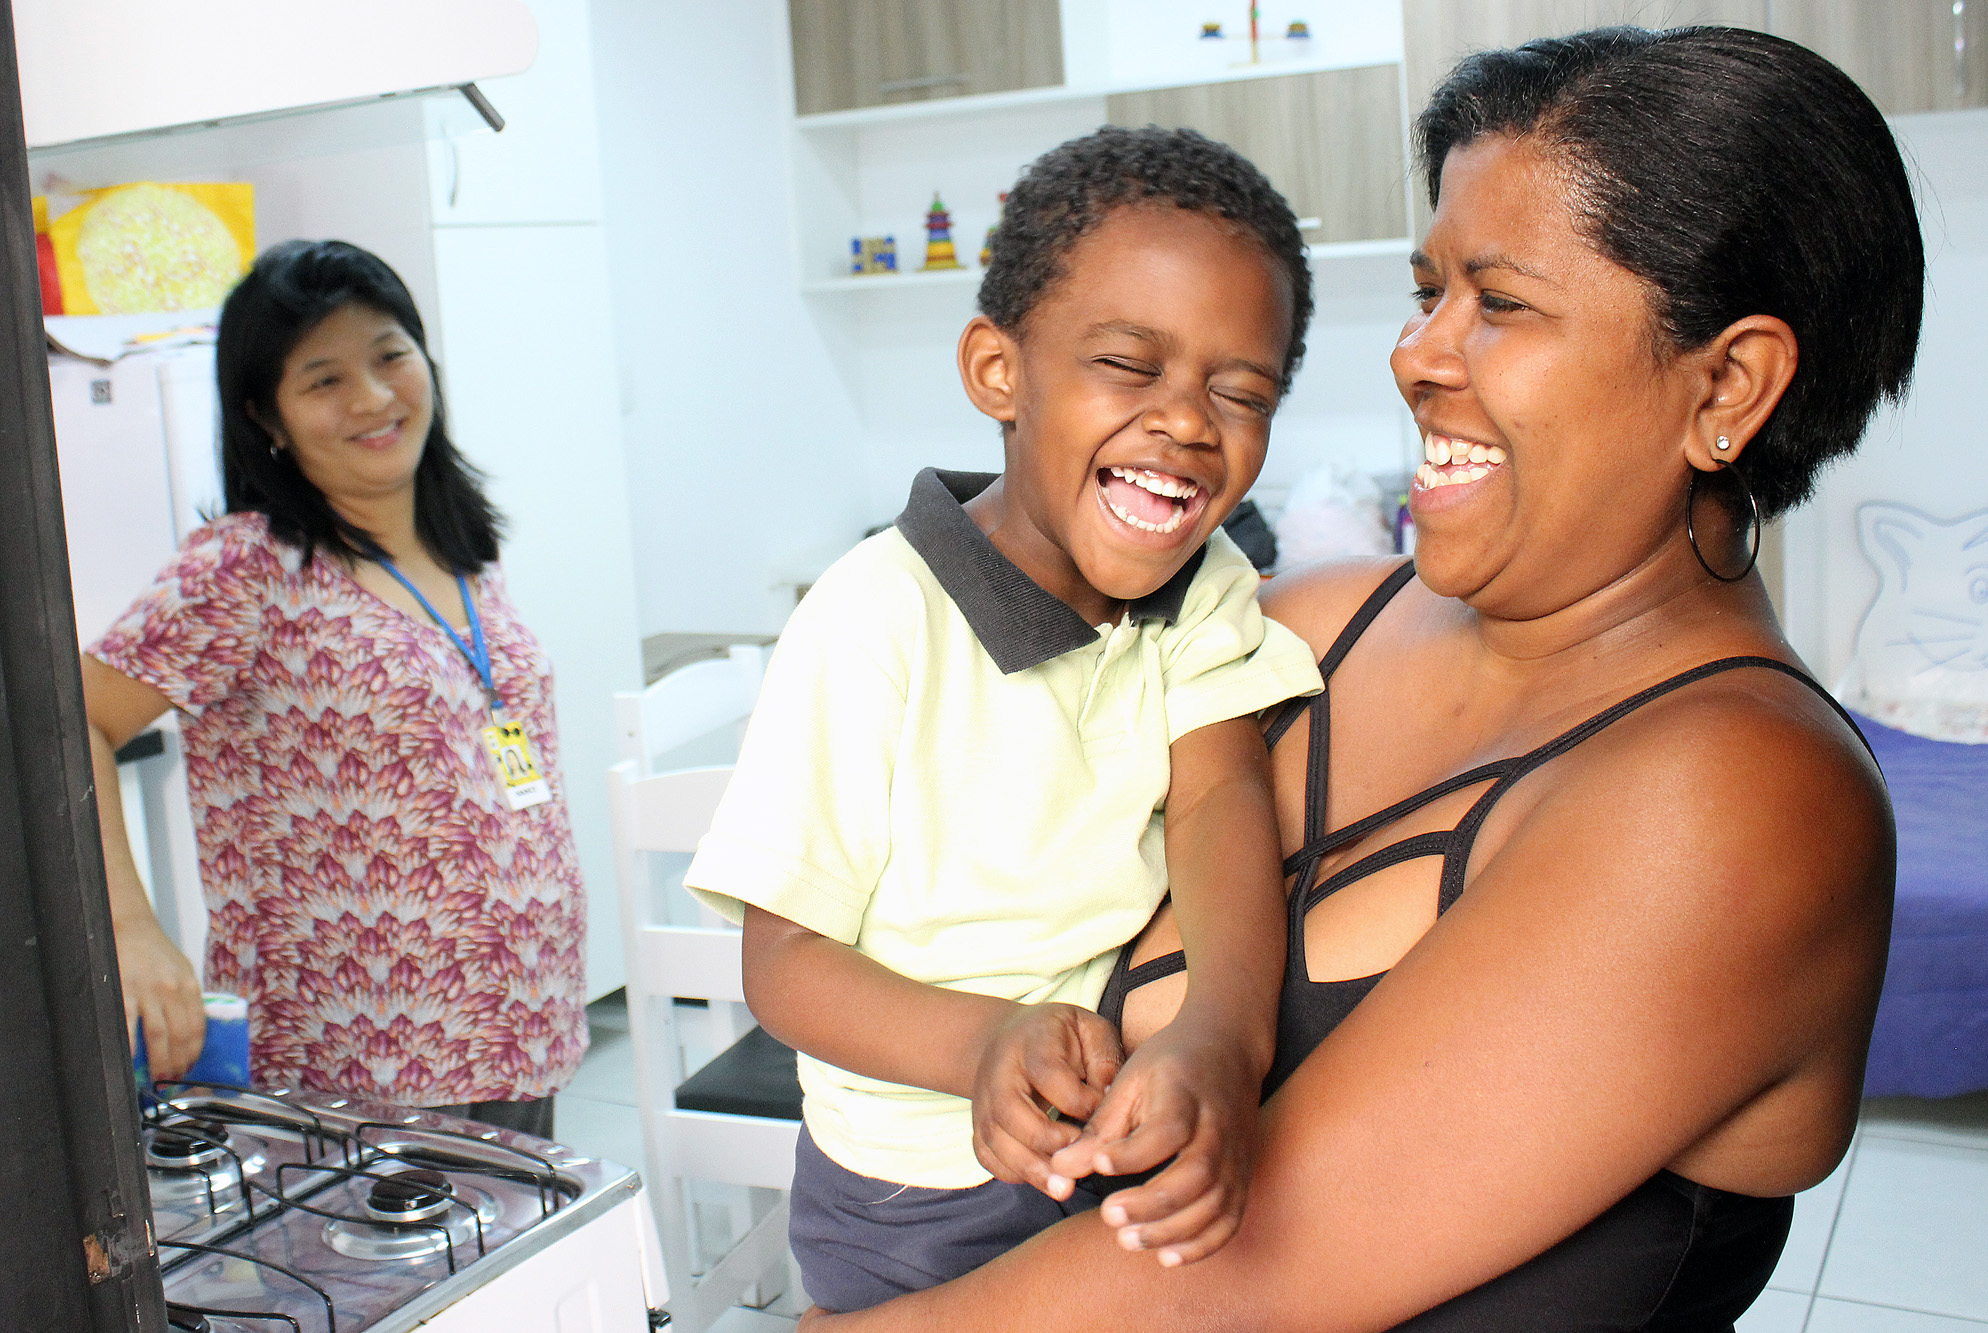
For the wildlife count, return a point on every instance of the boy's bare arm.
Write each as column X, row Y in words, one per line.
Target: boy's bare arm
column 1190, row 1091
column 827, row 999
column 1227, row 879
column 840, row 1006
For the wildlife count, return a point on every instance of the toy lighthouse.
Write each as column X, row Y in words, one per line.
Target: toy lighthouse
column 939, row 238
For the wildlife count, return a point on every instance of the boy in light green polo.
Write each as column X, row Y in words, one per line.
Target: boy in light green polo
column 947, row 816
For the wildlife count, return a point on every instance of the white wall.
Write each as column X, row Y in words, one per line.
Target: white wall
column 377, row 199
column 1929, row 452
column 525, row 301
column 745, row 467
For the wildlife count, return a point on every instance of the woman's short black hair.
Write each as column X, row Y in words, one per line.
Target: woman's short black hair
column 1736, row 174
column 1069, row 190
column 290, row 290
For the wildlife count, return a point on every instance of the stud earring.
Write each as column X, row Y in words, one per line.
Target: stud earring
column 1724, row 444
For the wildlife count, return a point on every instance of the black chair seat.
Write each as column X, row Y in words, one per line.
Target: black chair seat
column 754, row 1077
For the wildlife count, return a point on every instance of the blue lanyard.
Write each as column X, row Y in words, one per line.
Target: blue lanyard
column 476, row 650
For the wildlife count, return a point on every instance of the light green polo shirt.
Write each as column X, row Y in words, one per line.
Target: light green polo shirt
column 951, row 771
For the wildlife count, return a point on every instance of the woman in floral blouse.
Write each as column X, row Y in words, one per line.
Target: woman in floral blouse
column 388, row 865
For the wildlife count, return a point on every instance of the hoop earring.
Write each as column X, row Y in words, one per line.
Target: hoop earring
column 1691, row 535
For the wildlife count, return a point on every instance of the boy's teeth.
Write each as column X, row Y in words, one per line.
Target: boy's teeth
column 1124, row 516
column 1159, row 483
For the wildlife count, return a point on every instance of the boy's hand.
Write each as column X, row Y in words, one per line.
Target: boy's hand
column 1185, row 1094
column 1044, row 1057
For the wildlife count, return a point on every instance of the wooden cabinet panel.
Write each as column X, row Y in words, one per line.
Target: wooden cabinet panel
column 1438, row 33
column 851, row 53
column 1331, row 141
column 1909, row 55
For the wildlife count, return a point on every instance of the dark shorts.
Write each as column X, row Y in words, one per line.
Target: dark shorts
column 860, row 1241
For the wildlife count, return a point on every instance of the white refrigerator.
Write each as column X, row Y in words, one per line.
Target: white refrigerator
column 137, row 443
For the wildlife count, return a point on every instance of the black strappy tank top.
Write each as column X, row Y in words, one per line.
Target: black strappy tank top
column 1674, row 1256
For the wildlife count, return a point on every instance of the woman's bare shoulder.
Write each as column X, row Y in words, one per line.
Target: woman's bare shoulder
column 1750, row 773
column 1317, row 600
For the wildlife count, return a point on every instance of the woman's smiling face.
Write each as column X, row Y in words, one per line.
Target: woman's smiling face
column 1553, row 420
column 354, row 405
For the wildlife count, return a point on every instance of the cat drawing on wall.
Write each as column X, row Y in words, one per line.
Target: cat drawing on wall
column 1921, row 662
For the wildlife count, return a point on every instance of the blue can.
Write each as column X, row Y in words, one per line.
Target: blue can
column 224, row 1054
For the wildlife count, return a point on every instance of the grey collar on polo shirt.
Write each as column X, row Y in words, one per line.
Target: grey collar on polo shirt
column 1018, row 621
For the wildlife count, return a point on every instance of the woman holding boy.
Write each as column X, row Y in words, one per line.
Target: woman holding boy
column 1591, row 884
column 947, row 813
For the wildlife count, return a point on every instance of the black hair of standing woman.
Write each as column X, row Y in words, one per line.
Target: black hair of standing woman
column 1737, row 174
column 290, row 290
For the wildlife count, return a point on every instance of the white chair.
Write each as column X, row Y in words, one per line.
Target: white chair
column 689, row 704
column 694, row 717
column 735, row 1119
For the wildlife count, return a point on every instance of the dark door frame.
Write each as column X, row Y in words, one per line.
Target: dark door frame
column 76, row 1248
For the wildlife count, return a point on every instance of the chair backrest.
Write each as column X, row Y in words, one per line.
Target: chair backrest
column 668, row 812
column 687, row 703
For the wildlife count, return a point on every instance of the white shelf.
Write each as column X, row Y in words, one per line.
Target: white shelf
column 889, row 282
column 1323, row 257
column 1387, row 246
column 938, row 108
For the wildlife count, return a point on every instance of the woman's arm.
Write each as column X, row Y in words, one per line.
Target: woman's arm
column 160, row 986
column 1689, row 917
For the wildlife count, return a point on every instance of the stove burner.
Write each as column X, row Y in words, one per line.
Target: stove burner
column 179, row 1319
column 419, row 1195
column 199, row 1163
column 187, row 1146
column 413, row 1214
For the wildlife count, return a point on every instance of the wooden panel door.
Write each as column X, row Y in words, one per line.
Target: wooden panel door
column 1331, row 141
column 1909, row 55
column 853, row 53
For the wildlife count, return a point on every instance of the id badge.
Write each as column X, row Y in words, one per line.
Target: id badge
column 511, row 753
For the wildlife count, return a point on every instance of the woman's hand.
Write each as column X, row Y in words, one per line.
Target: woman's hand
column 160, row 986
column 161, row 990
column 1043, row 1057
column 1185, row 1094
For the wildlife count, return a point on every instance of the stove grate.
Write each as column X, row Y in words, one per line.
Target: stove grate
column 351, row 1173
column 330, row 1315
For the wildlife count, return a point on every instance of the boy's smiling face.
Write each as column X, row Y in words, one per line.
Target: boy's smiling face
column 1137, row 401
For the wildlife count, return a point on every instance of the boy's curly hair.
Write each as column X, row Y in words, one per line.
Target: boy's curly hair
column 1069, row 190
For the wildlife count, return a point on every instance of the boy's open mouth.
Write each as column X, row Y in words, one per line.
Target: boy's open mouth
column 1156, row 502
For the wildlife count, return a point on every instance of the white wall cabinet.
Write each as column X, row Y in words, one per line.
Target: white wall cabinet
column 120, row 67
column 545, row 166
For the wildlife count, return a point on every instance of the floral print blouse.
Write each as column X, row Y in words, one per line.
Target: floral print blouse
column 399, row 931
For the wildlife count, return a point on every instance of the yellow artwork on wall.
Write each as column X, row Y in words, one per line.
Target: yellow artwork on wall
column 154, row 246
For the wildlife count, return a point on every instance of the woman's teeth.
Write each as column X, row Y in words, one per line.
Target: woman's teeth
column 1450, row 462
column 1180, row 491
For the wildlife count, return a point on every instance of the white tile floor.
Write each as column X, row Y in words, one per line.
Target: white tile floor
column 1896, row 1241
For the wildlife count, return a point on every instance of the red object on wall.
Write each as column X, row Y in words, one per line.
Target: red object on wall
column 51, row 284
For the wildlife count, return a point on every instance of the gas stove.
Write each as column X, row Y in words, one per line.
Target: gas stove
column 279, row 1210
